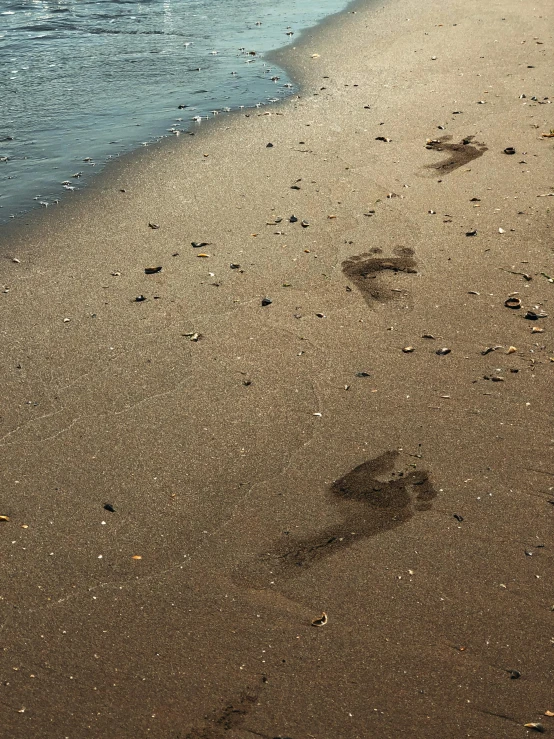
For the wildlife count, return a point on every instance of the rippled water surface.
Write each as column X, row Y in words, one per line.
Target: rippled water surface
column 83, row 81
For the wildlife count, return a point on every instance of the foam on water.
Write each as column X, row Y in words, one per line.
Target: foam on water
column 81, row 82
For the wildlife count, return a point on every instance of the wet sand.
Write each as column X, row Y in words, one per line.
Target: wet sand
column 192, row 480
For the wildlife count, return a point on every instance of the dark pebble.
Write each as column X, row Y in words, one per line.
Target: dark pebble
column 140, row 299
column 362, row 374
column 509, row 150
column 109, row 507
column 266, row 301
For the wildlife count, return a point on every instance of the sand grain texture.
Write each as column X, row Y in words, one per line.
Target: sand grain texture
column 269, row 463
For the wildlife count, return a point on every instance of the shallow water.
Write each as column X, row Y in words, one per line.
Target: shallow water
column 82, row 82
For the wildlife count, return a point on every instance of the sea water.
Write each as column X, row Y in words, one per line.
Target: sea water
column 83, row 81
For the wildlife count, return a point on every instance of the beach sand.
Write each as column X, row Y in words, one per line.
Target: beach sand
column 270, row 463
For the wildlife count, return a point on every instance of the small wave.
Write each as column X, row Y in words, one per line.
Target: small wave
column 97, row 31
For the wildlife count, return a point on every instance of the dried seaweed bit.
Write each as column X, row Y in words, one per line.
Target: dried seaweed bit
column 383, row 138
column 525, row 276
column 154, row 225
column 514, row 303
column 139, row 299
column 509, row 150
column 152, row 270
column 266, row 301
column 320, row 620
column 536, row 727
column 442, row 352
column 109, row 507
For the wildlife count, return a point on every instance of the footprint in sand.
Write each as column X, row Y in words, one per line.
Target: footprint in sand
column 366, row 271
column 374, row 497
column 231, row 717
column 459, row 154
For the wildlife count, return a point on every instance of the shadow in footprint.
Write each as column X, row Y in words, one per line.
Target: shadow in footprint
column 366, row 270
column 459, row 154
column 372, row 498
